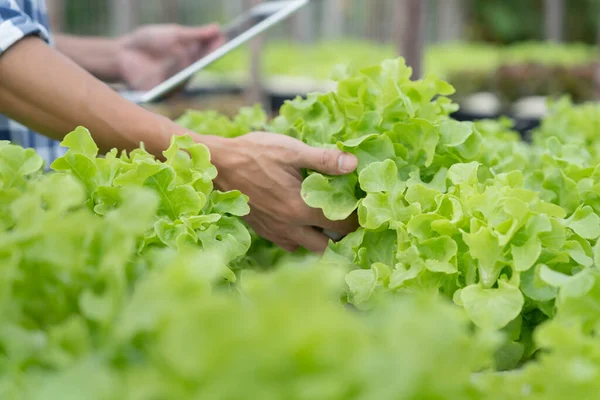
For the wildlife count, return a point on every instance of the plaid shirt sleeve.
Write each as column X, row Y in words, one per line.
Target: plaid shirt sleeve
column 15, row 25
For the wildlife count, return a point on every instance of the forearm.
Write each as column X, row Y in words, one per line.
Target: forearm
column 49, row 93
column 96, row 55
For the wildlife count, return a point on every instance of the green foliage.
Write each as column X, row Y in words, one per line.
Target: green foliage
column 189, row 211
column 126, row 277
column 446, row 206
column 213, row 123
column 64, row 270
column 175, row 338
column 262, row 254
column 87, row 312
column 570, row 349
column 463, row 209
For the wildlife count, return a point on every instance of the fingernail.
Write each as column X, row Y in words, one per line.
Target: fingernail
column 347, row 163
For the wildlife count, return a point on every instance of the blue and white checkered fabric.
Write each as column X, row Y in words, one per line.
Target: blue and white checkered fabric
column 18, row 19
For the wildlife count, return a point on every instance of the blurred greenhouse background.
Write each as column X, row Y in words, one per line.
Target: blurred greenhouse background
column 503, row 56
column 500, row 21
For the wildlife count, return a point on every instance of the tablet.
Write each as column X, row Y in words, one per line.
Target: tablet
column 241, row 30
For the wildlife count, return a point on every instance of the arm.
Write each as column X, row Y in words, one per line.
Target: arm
column 99, row 56
column 46, row 91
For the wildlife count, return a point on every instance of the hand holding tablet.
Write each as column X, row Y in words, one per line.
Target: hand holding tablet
column 238, row 32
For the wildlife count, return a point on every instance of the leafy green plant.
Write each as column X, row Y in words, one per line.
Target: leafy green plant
column 88, row 311
column 64, row 271
column 262, row 254
column 440, row 207
column 476, row 253
column 463, row 209
column 213, row 123
column 190, row 211
column 283, row 335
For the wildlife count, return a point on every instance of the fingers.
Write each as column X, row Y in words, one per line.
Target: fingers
column 195, row 50
column 284, row 243
column 288, row 237
column 215, row 44
column 307, row 230
column 316, row 218
column 279, row 213
column 200, row 33
column 327, row 161
column 184, row 57
column 310, row 238
column 289, row 246
column 200, row 41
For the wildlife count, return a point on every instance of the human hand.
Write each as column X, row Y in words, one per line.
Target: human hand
column 151, row 54
column 267, row 167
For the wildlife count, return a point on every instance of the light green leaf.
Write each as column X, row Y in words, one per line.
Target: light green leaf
column 80, row 166
column 228, row 237
column 369, row 123
column 484, row 247
column 98, row 307
column 556, row 237
column 418, row 193
column 578, row 253
column 403, row 273
column 454, row 133
column 570, row 285
column 192, row 164
column 80, row 142
column 378, row 247
column 379, row 177
column 449, row 207
column 552, row 210
column 334, row 195
column 585, row 223
column 232, row 202
column 369, row 149
column 62, row 192
column 492, row 308
column 463, row 173
column 200, row 221
column 16, row 163
column 579, row 285
column 525, row 256
column 535, row 288
column 170, row 233
column 440, row 254
column 345, row 251
column 552, row 277
column 138, row 173
column 420, row 137
column 596, row 251
column 175, row 200
column 106, row 198
column 362, row 282
column 420, row 225
column 375, row 210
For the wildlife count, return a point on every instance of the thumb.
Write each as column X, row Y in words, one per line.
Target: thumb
column 327, row 161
